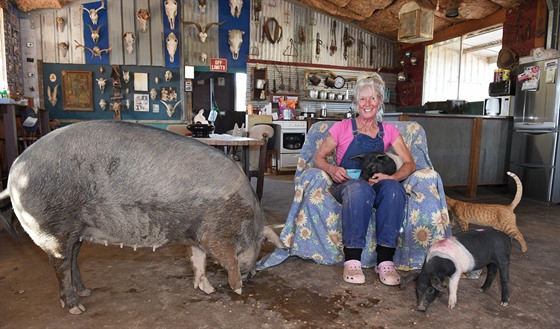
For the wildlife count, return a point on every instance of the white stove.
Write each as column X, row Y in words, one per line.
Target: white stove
column 290, row 136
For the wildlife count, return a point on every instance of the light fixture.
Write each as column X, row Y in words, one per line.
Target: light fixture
column 416, row 23
column 452, row 11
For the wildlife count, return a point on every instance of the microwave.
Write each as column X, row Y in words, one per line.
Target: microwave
column 499, row 106
column 501, row 88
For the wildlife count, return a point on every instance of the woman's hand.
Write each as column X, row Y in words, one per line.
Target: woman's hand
column 377, row 177
column 339, row 175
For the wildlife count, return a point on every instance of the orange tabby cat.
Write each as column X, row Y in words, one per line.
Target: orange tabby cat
column 500, row 217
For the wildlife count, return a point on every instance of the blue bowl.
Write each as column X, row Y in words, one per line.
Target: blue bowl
column 354, row 173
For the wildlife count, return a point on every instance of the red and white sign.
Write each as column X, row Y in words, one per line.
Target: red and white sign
column 218, row 64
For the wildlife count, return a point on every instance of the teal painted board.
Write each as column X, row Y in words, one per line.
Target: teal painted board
column 172, row 87
column 114, row 12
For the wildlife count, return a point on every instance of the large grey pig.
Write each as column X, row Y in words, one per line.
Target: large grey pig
column 128, row 184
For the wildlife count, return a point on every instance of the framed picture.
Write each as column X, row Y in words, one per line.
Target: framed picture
column 140, row 81
column 168, row 94
column 77, row 92
column 274, row 99
column 142, row 102
column 293, row 98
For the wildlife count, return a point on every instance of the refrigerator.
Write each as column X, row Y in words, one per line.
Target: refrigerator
column 535, row 152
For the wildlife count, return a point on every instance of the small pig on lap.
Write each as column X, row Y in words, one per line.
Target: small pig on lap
column 378, row 162
column 464, row 252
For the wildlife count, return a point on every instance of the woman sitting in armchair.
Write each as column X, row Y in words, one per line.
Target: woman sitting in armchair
column 399, row 216
column 352, row 137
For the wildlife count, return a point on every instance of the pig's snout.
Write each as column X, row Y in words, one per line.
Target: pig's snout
column 422, row 308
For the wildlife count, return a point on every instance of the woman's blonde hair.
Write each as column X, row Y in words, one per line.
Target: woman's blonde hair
column 369, row 80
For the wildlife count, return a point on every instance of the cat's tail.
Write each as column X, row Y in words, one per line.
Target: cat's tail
column 518, row 192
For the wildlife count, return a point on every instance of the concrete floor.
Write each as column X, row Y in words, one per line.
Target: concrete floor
column 146, row 289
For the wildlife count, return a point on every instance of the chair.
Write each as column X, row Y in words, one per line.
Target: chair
column 257, row 155
column 313, row 229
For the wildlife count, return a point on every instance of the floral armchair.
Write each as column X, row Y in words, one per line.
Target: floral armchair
column 313, row 229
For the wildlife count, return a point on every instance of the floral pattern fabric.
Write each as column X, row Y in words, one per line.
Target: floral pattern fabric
column 313, row 229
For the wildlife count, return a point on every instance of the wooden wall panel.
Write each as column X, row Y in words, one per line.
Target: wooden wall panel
column 156, row 31
column 76, row 28
column 114, row 12
column 192, row 46
column 49, row 41
column 128, row 23
column 62, row 36
column 143, row 40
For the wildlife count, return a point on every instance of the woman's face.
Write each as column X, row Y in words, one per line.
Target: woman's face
column 368, row 103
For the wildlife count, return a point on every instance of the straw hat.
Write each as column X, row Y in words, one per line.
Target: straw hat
column 506, row 58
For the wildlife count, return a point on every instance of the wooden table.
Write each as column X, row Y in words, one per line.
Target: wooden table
column 228, row 141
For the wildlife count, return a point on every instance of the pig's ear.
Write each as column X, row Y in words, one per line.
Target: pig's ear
column 269, row 235
column 437, row 284
column 408, row 278
column 359, row 157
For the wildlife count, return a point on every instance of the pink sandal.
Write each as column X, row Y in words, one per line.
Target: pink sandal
column 387, row 273
column 353, row 272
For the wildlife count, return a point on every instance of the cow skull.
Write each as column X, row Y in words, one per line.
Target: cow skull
column 168, row 75
column 143, row 16
column 170, row 108
column 171, row 12
column 52, row 94
column 94, row 33
column 235, row 39
column 103, row 104
column 203, row 33
column 126, row 76
column 93, row 12
column 129, row 39
column 101, row 82
column 235, row 7
column 60, row 23
column 63, row 49
column 171, row 43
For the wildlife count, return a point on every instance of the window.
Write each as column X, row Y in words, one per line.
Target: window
column 3, row 73
column 462, row 67
column 240, row 91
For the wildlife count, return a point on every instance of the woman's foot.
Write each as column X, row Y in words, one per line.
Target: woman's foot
column 353, row 272
column 387, row 273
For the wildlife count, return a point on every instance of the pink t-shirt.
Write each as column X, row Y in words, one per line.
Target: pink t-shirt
column 342, row 134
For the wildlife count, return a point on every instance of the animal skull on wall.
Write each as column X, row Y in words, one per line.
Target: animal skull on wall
column 60, row 23
column 101, row 82
column 171, row 12
column 171, row 44
column 52, row 94
column 235, row 39
column 235, row 7
column 63, row 49
column 94, row 33
column 143, row 16
column 203, row 57
column 203, row 33
column 129, row 39
column 170, row 108
column 168, row 75
column 202, row 6
column 153, row 93
column 95, row 51
column 103, row 104
column 93, row 12
column 126, row 76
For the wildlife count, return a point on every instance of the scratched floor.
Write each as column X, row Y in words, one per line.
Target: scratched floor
column 144, row 289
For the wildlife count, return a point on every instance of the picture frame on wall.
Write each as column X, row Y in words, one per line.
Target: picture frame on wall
column 77, row 92
column 141, row 102
column 140, row 81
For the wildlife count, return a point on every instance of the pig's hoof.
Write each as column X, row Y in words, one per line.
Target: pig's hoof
column 78, row 309
column 238, row 291
column 204, row 285
column 504, row 303
column 84, row 293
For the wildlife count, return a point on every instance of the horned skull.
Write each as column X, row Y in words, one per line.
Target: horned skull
column 235, row 39
column 171, row 44
column 235, row 7
column 52, row 94
column 94, row 33
column 202, row 6
column 93, row 12
column 126, row 76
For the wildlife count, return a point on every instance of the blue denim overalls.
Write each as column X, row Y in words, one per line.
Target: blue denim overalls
column 358, row 198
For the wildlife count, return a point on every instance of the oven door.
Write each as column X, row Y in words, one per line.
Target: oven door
column 291, row 140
